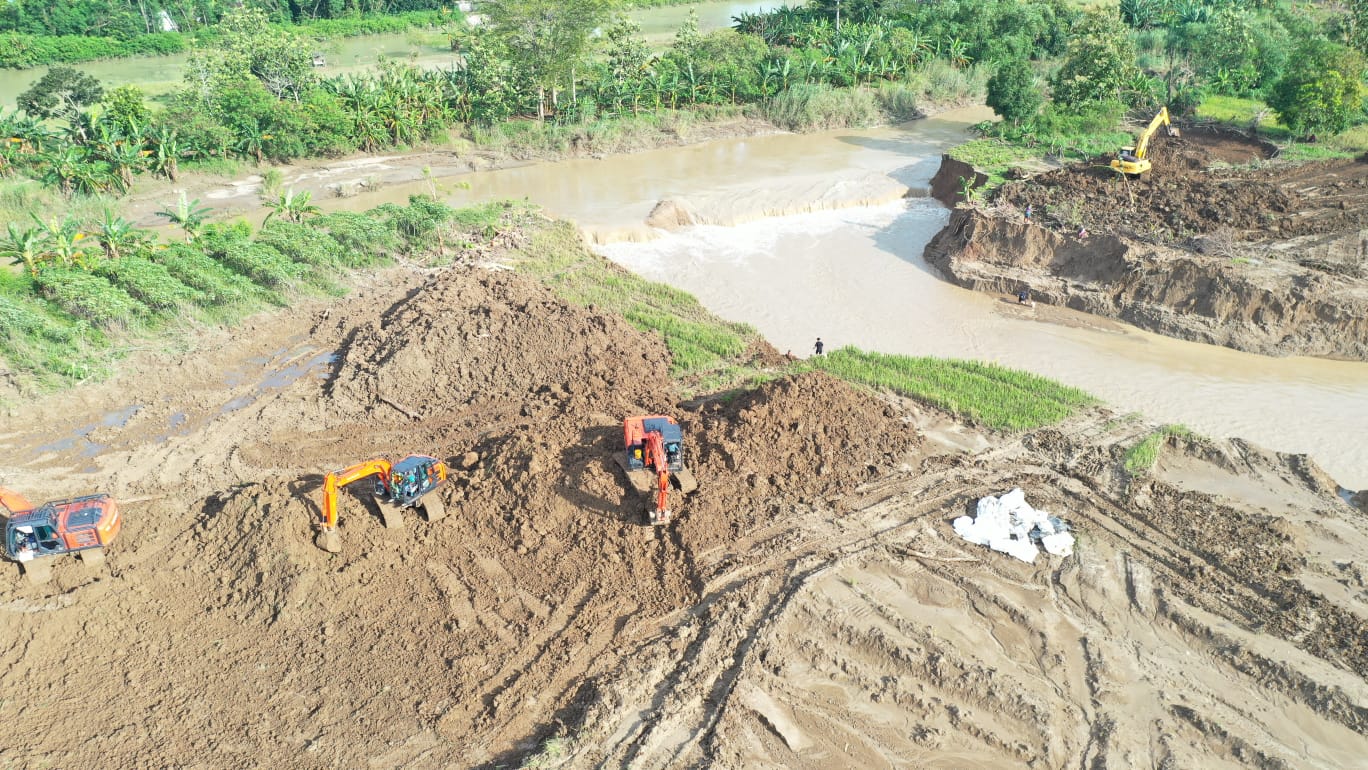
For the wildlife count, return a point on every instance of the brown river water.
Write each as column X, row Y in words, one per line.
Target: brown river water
column 855, row 276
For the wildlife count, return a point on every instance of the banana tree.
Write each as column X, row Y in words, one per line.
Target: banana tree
column 294, row 206
column 24, row 246
column 188, row 215
column 117, row 236
column 167, row 149
column 63, row 239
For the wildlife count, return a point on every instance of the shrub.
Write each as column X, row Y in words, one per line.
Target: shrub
column 88, row 296
column 301, row 243
column 148, row 282
column 262, row 264
column 813, row 107
column 216, row 284
column 363, row 239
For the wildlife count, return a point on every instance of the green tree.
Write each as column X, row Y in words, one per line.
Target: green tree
column 248, row 45
column 1012, row 91
column 1322, row 91
column 60, row 93
column 1099, row 64
column 548, row 38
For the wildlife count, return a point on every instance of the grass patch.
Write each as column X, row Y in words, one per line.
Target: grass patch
column 552, row 752
column 1142, row 457
column 700, row 344
column 988, row 394
column 818, row 106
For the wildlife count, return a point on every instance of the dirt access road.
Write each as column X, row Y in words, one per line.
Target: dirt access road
column 1260, row 255
column 810, row 607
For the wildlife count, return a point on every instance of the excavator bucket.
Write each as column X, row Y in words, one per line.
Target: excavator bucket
column 329, row 541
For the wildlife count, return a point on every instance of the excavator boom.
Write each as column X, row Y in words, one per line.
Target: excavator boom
column 338, row 479
column 14, row 502
column 655, row 447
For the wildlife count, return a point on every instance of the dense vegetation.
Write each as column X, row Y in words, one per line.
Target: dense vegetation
column 88, row 287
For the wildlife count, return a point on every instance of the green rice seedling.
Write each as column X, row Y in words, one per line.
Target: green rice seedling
column 1143, row 456
column 991, row 395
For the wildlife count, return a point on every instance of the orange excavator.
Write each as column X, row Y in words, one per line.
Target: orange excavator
column 655, row 446
column 81, row 524
column 397, row 486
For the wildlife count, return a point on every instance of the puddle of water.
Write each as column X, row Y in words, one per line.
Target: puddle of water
column 283, row 377
column 66, row 443
column 236, row 404
column 176, row 420
column 120, row 418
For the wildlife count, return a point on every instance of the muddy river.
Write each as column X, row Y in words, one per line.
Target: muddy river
column 855, row 276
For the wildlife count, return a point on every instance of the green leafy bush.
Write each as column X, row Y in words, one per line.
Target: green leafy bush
column 148, row 282
column 363, row 239
column 89, row 296
column 262, row 264
column 216, row 284
column 301, row 243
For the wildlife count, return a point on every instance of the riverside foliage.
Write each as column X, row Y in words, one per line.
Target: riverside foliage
column 86, row 288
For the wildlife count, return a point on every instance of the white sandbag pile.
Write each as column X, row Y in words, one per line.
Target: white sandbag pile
column 1010, row 525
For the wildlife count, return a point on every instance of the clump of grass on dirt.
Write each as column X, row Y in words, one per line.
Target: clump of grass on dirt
column 1142, row 457
column 991, row 395
column 699, row 342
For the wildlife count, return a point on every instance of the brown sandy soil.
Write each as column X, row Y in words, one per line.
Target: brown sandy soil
column 810, row 607
column 1265, row 258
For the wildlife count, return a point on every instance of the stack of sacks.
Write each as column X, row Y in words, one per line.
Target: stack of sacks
column 1009, row 525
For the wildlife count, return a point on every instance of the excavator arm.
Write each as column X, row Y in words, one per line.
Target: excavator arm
column 14, row 502
column 338, row 479
column 655, row 450
column 1142, row 146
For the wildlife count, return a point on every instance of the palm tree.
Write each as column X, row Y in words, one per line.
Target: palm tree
column 294, row 206
column 188, row 214
column 25, row 247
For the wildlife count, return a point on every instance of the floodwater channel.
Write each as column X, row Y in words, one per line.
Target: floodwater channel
column 855, row 276
column 158, row 75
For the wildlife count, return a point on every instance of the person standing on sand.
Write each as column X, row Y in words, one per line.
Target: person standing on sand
column 817, row 347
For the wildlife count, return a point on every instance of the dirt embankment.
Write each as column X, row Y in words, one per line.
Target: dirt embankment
column 1265, row 259
column 810, row 606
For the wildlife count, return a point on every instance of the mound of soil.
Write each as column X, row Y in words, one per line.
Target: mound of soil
column 1264, row 259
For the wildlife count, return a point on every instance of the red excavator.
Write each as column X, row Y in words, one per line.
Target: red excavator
column 655, row 445
column 81, row 524
column 397, row 486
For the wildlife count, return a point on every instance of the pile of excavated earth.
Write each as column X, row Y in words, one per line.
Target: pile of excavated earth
column 810, row 606
column 1218, row 244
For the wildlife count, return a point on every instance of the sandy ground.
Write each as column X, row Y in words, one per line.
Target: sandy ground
column 810, row 607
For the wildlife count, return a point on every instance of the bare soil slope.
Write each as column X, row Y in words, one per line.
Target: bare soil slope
column 810, row 607
column 1265, row 258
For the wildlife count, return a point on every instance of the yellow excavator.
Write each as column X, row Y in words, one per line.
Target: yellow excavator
column 1134, row 161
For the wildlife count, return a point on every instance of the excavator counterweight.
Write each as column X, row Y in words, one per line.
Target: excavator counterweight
column 655, row 448
column 397, row 486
